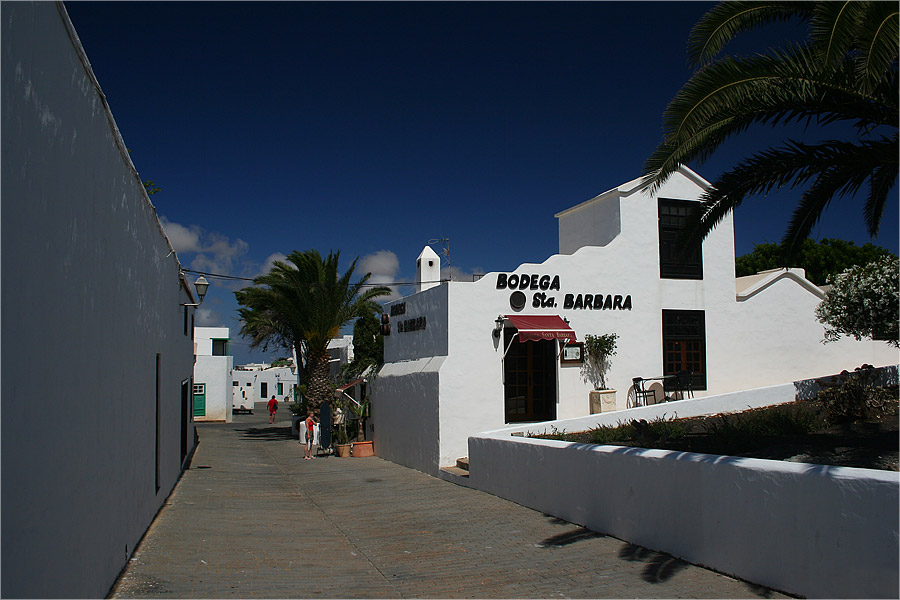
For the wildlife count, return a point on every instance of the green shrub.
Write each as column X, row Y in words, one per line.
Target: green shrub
column 852, row 397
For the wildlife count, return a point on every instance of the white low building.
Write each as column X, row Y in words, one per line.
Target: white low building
column 258, row 383
column 212, row 396
column 457, row 361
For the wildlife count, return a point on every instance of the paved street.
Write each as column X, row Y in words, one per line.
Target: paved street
column 252, row 519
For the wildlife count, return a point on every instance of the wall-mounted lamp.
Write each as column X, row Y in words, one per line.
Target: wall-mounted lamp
column 201, row 285
column 498, row 326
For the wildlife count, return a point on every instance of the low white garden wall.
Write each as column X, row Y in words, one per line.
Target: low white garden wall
column 811, row 530
column 691, row 407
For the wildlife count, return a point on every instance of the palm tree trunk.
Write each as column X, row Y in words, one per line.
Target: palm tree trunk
column 319, row 380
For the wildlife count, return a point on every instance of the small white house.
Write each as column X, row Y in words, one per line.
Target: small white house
column 212, row 375
column 257, row 383
column 466, row 357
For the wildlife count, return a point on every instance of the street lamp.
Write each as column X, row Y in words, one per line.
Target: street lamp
column 201, row 285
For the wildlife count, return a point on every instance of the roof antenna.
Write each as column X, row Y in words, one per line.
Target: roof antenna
column 445, row 250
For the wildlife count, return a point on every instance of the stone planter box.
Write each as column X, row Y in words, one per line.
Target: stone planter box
column 602, row 401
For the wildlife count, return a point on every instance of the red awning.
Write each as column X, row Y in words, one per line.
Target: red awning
column 344, row 388
column 541, row 327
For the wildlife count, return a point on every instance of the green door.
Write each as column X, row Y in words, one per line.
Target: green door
column 199, row 399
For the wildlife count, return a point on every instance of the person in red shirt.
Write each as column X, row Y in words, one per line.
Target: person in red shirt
column 273, row 408
column 310, row 434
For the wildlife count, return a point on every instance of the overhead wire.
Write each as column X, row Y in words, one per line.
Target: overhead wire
column 374, row 284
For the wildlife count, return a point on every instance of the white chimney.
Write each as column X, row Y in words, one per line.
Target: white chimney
column 428, row 269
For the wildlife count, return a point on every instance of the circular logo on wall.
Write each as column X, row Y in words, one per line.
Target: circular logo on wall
column 517, row 301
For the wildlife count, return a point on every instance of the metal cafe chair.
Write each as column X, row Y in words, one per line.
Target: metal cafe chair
column 642, row 397
column 683, row 384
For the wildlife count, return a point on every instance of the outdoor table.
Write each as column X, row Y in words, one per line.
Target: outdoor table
column 642, row 394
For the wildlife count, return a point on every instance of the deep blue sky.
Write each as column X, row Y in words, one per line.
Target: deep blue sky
column 371, row 128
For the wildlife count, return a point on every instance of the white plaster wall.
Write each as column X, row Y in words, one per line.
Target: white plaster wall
column 775, row 336
column 471, row 380
column 203, row 337
column 423, row 343
column 89, row 279
column 805, row 529
column 215, row 372
column 405, row 413
column 593, row 223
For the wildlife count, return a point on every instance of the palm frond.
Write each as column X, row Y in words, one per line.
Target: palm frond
column 726, row 20
column 878, row 44
column 726, row 98
column 835, row 167
column 833, row 29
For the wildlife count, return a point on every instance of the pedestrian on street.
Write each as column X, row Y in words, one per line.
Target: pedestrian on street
column 310, row 433
column 273, row 408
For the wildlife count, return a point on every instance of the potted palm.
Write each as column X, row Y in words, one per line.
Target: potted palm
column 341, row 433
column 598, row 350
column 361, row 447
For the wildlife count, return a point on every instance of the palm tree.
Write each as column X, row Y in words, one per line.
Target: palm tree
column 846, row 72
column 301, row 304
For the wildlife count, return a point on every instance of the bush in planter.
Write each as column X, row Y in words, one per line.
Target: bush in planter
column 598, row 349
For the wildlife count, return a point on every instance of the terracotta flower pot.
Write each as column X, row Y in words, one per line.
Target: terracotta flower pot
column 363, row 449
column 343, row 450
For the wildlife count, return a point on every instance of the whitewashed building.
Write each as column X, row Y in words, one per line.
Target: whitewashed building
column 457, row 360
column 211, row 391
column 258, row 383
column 89, row 279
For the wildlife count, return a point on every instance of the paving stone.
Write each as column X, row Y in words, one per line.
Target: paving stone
column 251, row 518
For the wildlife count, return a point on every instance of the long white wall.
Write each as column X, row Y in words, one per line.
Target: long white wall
column 97, row 355
column 755, row 519
column 816, row 531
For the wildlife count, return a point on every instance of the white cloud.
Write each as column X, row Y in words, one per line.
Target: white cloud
column 218, row 254
column 183, row 239
column 213, row 252
column 384, row 267
column 206, row 317
column 383, row 263
column 270, row 262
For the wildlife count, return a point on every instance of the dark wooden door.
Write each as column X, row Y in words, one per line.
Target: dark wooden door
column 530, row 381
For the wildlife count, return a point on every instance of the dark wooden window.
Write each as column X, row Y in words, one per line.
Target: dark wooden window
column 684, row 344
column 673, row 264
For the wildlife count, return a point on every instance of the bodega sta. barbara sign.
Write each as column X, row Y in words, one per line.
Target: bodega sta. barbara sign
column 542, row 288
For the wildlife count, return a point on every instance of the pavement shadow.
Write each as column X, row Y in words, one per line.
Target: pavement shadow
column 762, row 592
column 268, row 432
column 570, row 537
column 659, row 566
